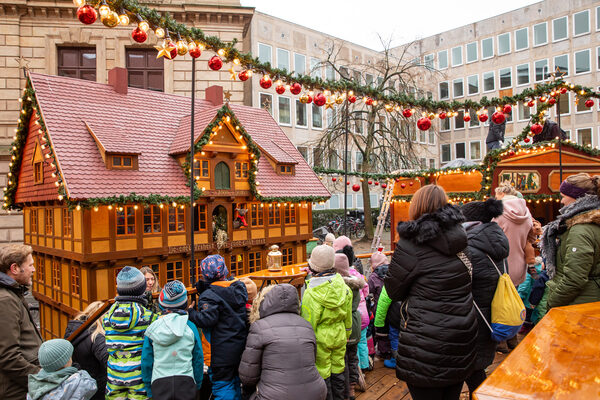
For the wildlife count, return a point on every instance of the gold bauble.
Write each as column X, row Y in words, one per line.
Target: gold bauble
column 339, row 100
column 111, row 19
column 304, row 98
column 182, row 48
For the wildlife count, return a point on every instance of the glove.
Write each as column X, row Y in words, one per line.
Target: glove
column 382, row 331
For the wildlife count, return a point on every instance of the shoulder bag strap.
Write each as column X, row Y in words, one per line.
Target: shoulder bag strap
column 495, row 266
column 465, row 260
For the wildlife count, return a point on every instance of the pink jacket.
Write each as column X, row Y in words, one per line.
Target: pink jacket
column 516, row 223
column 362, row 306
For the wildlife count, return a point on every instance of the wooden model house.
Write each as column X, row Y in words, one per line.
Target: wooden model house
column 101, row 172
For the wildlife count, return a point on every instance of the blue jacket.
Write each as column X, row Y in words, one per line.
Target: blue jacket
column 524, row 288
column 172, row 346
column 221, row 310
column 64, row 384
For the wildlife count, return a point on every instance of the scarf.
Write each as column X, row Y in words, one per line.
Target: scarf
column 552, row 231
column 143, row 300
column 44, row 382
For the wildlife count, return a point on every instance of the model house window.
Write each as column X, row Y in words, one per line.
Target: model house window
column 75, row 280
column 582, row 62
column 40, row 268
column 521, row 39
column 283, row 59
column 458, row 88
column 540, row 34
column 471, row 52
column 125, row 220
column 299, row 64
column 256, row 215
column 254, row 261
column 473, row 84
column 301, row 117
column 460, row 150
column 317, row 117
column 457, row 58
column 38, row 172
column 584, row 137
column 459, row 122
column 266, row 102
column 504, row 44
column 428, row 61
column 487, row 48
column 152, row 219
column 241, row 169
column 49, row 221
column 522, row 74
column 56, row 279
column 443, row 59
column 581, row 23
column 475, row 150
column 505, row 78
column 222, row 180
column 144, row 70
column 200, row 217
column 122, row 162
column 33, row 221
column 265, row 53
column 77, row 62
column 445, row 90
column 445, row 150
column 560, row 30
column 176, row 219
column 274, row 214
column 237, row 264
column 174, row 270
column 489, row 82
column 289, row 215
column 67, row 222
column 288, row 256
column 201, row 169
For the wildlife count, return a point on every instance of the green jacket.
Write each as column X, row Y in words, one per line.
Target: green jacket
column 577, row 278
column 327, row 306
column 383, row 305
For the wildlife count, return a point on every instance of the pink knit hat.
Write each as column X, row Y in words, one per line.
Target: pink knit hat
column 342, row 265
column 378, row 259
column 341, row 242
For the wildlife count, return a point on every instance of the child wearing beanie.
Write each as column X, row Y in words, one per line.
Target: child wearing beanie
column 329, row 239
column 58, row 380
column 221, row 311
column 125, row 324
column 172, row 360
column 327, row 306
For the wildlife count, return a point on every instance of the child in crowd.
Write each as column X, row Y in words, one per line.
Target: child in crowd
column 387, row 316
column 252, row 290
column 343, row 244
column 58, row 380
column 172, row 360
column 329, row 239
column 532, row 239
column 524, row 290
column 379, row 269
column 125, row 324
column 327, row 305
column 222, row 311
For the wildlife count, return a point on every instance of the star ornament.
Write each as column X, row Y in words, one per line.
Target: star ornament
column 232, row 75
column 329, row 104
column 557, row 74
column 164, row 50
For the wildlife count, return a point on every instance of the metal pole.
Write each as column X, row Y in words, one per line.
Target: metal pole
column 346, row 173
column 560, row 169
column 192, row 182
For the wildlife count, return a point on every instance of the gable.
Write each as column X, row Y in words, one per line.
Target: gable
column 37, row 153
column 549, row 158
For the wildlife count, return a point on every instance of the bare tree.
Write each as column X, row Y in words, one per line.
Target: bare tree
column 379, row 133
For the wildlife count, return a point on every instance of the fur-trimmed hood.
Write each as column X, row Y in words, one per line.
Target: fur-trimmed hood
column 441, row 229
column 589, row 217
column 354, row 282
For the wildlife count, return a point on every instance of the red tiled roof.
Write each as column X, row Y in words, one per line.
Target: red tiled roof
column 152, row 124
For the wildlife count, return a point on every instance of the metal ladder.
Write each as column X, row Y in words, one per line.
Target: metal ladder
column 383, row 213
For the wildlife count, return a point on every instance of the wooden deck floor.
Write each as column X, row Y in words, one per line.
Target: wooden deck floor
column 382, row 383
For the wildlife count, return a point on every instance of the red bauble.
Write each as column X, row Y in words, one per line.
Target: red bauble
column 309, row 99
column 244, row 75
column 424, row 123
column 511, row 153
column 296, row 88
column 173, row 50
column 531, row 104
column 369, row 101
column 442, row 115
column 467, row 118
column 563, row 90
column 376, row 183
column 87, row 14
column 526, row 140
column 352, row 99
column 347, row 182
column 403, row 185
column 498, row 118
column 139, row 35
column 411, row 183
column 370, row 182
column 507, row 109
column 334, row 179
column 397, row 180
column 265, row 82
column 552, row 101
column 384, row 185
column 589, row 103
column 280, row 89
column 542, row 99
column 215, row 63
column 195, row 51
column 320, row 99
column 483, row 117
column 536, row 129
column 356, row 187
column 407, row 112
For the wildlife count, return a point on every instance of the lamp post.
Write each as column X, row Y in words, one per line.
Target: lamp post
column 192, row 183
column 346, row 170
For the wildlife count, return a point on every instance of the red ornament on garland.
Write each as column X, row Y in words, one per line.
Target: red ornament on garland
column 309, row 99
column 265, row 82
column 531, row 104
column 411, row 183
column 507, row 109
column 589, row 103
column 511, row 153
column 467, row 118
column 369, row 101
column 498, row 117
column 563, row 90
column 376, row 183
column 139, row 35
column 483, row 117
column 407, row 112
column 403, row 185
column 348, row 183
column 87, row 14
column 442, row 115
column 384, row 185
column 542, row 99
column 244, row 75
column 173, row 50
column 536, row 129
column 195, row 51
column 397, row 180
column 356, row 187
column 424, row 123
column 352, row 99
column 552, row 101
column 320, row 99
column 526, row 140
column 334, row 179
column 215, row 63
column 280, row 89
column 296, row 88
column 370, row 182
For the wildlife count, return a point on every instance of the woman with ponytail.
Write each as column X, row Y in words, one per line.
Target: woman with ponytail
column 571, row 244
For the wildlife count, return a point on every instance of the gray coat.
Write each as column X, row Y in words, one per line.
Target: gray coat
column 280, row 351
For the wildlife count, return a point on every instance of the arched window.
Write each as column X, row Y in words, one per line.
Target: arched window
column 222, row 179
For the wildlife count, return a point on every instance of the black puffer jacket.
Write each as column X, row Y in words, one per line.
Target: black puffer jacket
column 279, row 358
column 90, row 355
column 485, row 239
column 438, row 325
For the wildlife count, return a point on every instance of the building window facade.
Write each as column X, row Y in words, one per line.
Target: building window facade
column 77, row 62
column 144, row 70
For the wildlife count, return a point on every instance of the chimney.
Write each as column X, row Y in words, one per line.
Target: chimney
column 214, row 94
column 117, row 78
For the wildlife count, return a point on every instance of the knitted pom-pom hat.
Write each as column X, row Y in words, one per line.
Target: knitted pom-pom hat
column 131, row 282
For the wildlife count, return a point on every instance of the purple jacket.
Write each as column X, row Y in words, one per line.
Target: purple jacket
column 362, row 306
column 376, row 282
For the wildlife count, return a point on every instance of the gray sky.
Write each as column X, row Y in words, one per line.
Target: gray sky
column 403, row 21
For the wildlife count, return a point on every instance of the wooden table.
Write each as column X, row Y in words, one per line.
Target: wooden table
column 286, row 275
column 558, row 359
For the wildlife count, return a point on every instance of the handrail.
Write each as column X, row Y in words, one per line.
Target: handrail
column 191, row 291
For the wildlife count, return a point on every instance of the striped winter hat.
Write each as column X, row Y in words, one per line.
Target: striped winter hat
column 173, row 295
column 131, row 282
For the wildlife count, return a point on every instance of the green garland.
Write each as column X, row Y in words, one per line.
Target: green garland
column 426, row 173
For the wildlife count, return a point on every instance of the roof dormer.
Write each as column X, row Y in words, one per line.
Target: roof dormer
column 117, row 151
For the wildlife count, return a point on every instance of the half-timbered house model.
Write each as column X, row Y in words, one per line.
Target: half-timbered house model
column 101, row 172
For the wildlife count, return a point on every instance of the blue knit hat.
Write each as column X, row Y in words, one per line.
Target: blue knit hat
column 213, row 268
column 55, row 354
column 173, row 295
column 131, row 282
